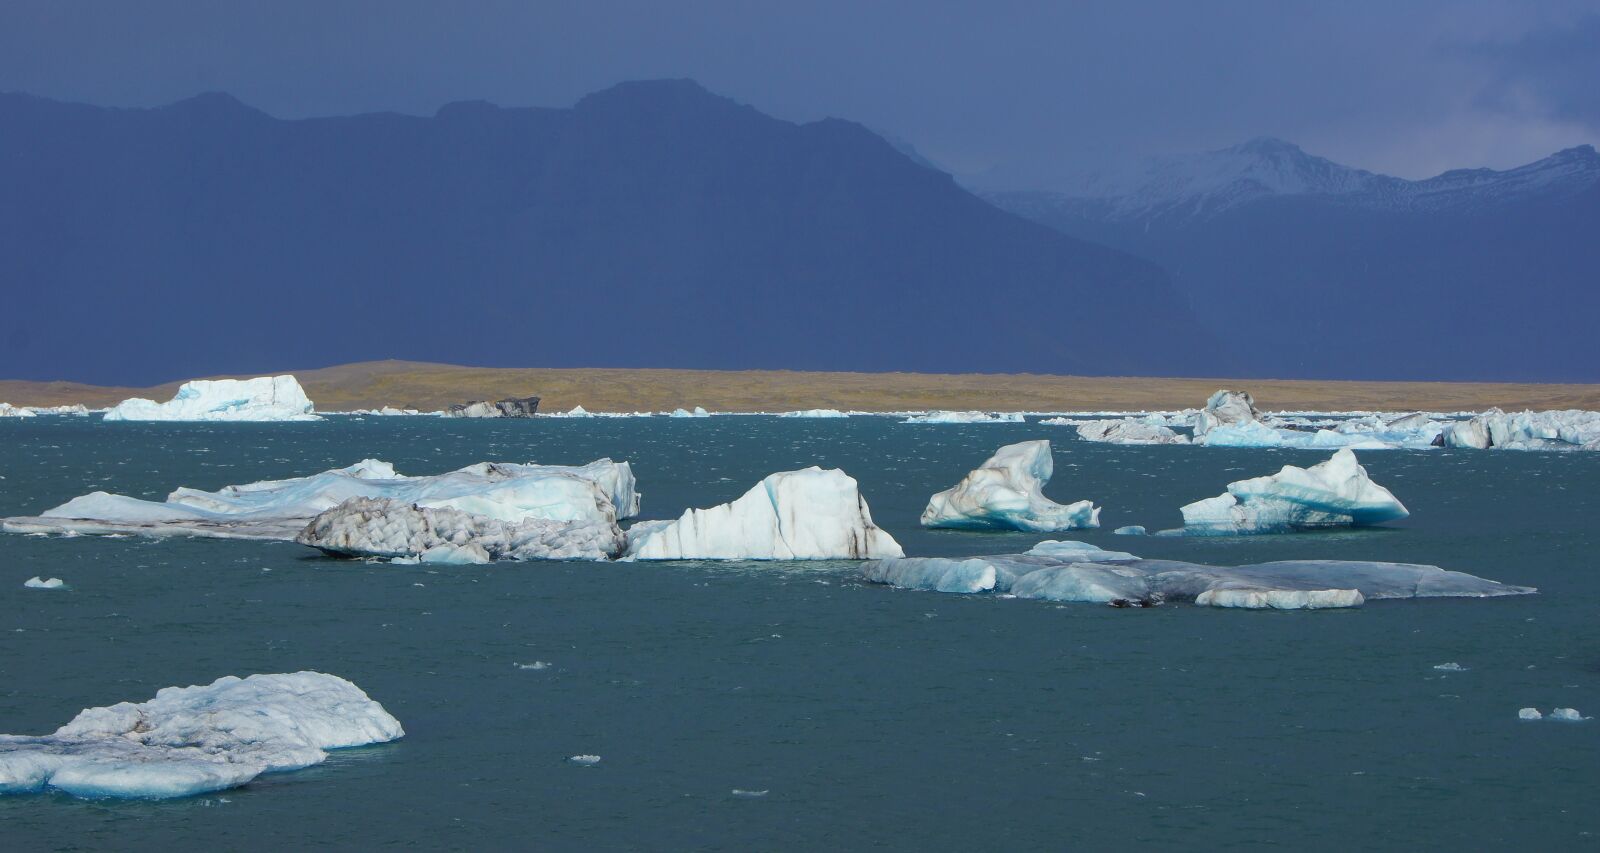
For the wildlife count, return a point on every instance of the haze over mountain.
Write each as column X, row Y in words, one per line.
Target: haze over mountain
column 1325, row 271
column 652, row 224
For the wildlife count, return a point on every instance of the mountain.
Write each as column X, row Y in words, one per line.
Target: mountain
column 651, row 224
column 1323, row 271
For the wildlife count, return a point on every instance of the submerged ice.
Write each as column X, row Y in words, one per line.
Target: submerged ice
column 1006, row 493
column 1335, row 493
column 190, row 740
column 264, row 398
column 811, row 514
column 1078, row 571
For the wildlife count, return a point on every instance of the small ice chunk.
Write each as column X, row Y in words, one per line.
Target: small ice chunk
column 1567, row 715
column 966, row 418
column 1451, row 667
column 815, row 413
column 585, row 760
column 1130, row 530
column 44, row 583
column 1529, row 714
column 536, row 665
column 749, row 795
column 1006, row 493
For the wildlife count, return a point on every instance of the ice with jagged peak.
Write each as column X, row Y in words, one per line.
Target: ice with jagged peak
column 1571, row 429
column 966, row 418
column 9, row 411
column 811, row 514
column 44, row 583
column 685, row 413
column 191, row 740
column 1128, row 431
column 1006, row 493
column 1225, row 408
column 600, row 492
column 264, row 398
column 1334, row 493
column 382, row 527
column 815, row 413
column 574, row 412
column 1077, row 571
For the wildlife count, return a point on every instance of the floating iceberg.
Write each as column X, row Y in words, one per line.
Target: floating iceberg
column 1225, row 408
column 815, row 413
column 382, row 527
column 1567, row 715
column 1130, row 530
column 966, row 418
column 598, row 493
column 812, row 514
column 190, row 740
column 1005, row 493
column 44, row 583
column 511, row 407
column 1572, row 429
column 1128, row 431
column 9, row 411
column 265, row 398
column 685, row 413
column 1231, row 419
column 1529, row 714
column 1076, row 571
column 1335, row 493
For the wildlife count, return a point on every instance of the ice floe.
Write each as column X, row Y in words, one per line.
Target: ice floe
column 44, row 583
column 264, row 398
column 382, row 527
column 190, row 740
column 1335, row 493
column 1005, row 493
column 815, row 413
column 966, row 418
column 811, row 514
column 601, row 492
column 1130, row 530
column 1567, row 715
column 1529, row 714
column 1076, row 571
column 1128, row 431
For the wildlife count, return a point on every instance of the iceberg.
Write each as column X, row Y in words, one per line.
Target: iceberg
column 1571, row 429
column 601, row 492
column 811, row 514
column 191, row 740
column 9, row 411
column 1077, row 571
column 1225, row 408
column 1231, row 419
column 1529, row 714
column 685, row 413
column 44, row 583
column 1130, row 530
column 265, row 398
column 966, row 418
column 1128, row 431
column 1335, row 493
column 1567, row 715
column 815, row 413
column 383, row 527
column 1006, row 493
column 511, row 407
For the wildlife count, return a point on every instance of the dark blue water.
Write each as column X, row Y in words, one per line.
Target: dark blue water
column 874, row 717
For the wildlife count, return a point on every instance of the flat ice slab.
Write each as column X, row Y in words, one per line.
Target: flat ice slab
column 380, row 527
column 1006, row 493
column 190, row 740
column 1077, row 571
column 965, row 418
column 264, row 398
column 600, row 492
column 811, row 514
column 1335, row 493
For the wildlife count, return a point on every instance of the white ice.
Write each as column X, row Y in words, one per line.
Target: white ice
column 1529, row 714
column 9, row 411
column 379, row 527
column 1130, row 530
column 1128, row 431
column 815, row 413
column 44, row 583
column 1572, row 429
column 1006, row 493
column 1567, row 715
column 1335, row 493
column 264, row 398
column 190, row 740
column 811, row 514
column 966, row 418
column 685, row 413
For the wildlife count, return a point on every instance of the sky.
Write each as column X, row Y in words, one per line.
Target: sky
column 1004, row 94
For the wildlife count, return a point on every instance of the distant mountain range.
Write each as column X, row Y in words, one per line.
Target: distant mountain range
column 1319, row 270
column 652, row 224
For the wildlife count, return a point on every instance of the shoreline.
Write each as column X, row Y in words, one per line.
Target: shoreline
column 426, row 386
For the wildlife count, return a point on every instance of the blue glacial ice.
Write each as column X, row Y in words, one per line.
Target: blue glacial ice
column 264, row 398
column 1334, row 493
column 1080, row 572
column 1006, row 493
column 190, row 740
column 811, row 514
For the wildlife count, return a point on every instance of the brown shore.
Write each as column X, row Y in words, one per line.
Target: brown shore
column 426, row 386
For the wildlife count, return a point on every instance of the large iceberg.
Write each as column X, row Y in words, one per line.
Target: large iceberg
column 1225, row 408
column 601, row 492
column 966, row 418
column 265, row 398
column 811, row 514
column 190, row 740
column 1128, row 431
column 1572, row 429
column 1006, row 493
column 383, row 527
column 1335, row 493
column 1077, row 571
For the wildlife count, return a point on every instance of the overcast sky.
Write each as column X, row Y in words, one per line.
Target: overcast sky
column 1018, row 91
